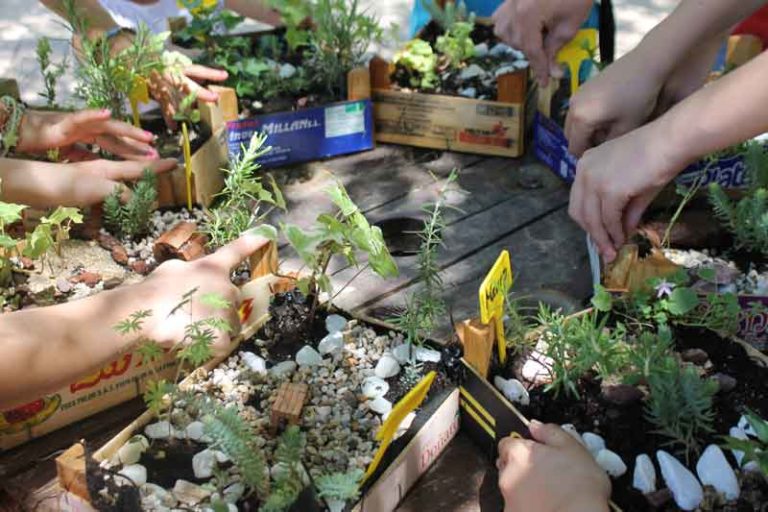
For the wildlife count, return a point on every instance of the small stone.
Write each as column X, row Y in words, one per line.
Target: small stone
column 332, row 343
column 725, row 383
column 203, row 464
column 283, row 370
column 108, row 242
column 112, row 283
column 695, row 356
column 593, row 442
column 287, row 71
column 323, row 412
column 402, row 353
column 611, row 463
column 387, row 367
column 335, row 323
column 159, row 430
column 221, row 457
column 90, row 279
column 621, row 394
column 63, row 285
column 336, row 505
column 521, row 64
column 686, row 490
column 374, row 387
column 738, row 433
column 189, row 493
column 537, row 369
column 505, row 70
column 130, row 452
column 500, row 50
column 161, row 496
column 254, row 363
column 135, row 474
column 427, row 355
column 746, row 427
column 468, row 92
column 308, row 356
column 380, row 405
column 713, row 469
column 481, row 50
column 644, row 476
column 513, row 390
column 571, row 429
column 234, row 492
column 119, row 254
column 195, row 431
column 471, row 71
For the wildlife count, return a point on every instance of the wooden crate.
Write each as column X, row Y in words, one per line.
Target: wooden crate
column 437, row 121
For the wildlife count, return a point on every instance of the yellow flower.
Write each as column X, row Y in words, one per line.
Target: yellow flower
column 197, row 7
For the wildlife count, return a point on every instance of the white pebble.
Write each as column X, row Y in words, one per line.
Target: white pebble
column 481, row 50
column 195, row 431
column 234, row 492
column 503, row 70
column 537, row 369
column 130, row 452
column 387, row 367
column 287, row 70
column 713, row 469
column 571, row 429
column 135, row 474
column 189, row 493
column 737, row 433
column 468, row 92
column 161, row 430
column 308, row 356
column 746, row 427
column 593, row 442
column 428, row 355
column 686, row 490
column 203, row 464
column 283, row 370
column 644, row 477
column 402, row 352
column 471, row 71
column 335, row 323
column 380, row 405
column 254, row 363
column 374, row 387
column 611, row 463
column 513, row 390
column 331, row 344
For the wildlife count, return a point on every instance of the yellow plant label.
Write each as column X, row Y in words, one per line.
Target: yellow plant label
column 493, row 293
column 187, row 163
column 408, row 403
column 139, row 94
column 577, row 51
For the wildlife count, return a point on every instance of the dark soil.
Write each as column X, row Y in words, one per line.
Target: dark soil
column 168, row 461
column 627, row 432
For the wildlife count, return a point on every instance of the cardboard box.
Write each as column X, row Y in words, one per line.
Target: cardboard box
column 312, row 133
column 453, row 123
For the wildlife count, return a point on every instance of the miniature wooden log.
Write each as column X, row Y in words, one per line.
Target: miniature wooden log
column 216, row 115
column 288, row 404
column 264, row 261
column 70, row 471
column 512, row 86
column 478, row 340
column 183, row 242
column 379, row 70
column 359, row 84
column 9, row 87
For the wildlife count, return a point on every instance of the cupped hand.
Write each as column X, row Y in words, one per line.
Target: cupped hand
column 170, row 88
column 45, row 185
column 163, row 290
column 41, row 131
column 615, row 183
column 540, row 28
column 552, row 473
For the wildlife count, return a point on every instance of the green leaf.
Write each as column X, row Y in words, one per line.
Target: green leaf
column 279, row 199
column 341, row 199
column 215, row 300
column 155, row 393
column 265, row 230
column 63, row 213
column 682, row 301
column 38, row 242
column 302, row 242
column 6, row 242
column 707, row 274
column 602, row 300
column 759, row 425
column 10, row 212
column 149, row 351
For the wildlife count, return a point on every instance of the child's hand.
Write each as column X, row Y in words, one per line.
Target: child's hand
column 554, row 473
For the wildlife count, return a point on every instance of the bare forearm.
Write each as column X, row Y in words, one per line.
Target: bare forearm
column 47, row 348
column 255, row 9
column 36, row 184
column 95, row 17
column 726, row 112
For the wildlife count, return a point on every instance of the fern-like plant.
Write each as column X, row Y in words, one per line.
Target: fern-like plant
column 746, row 219
column 680, row 404
column 291, row 481
column 338, row 488
column 133, row 218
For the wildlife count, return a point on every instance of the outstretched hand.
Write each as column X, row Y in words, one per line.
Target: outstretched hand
column 169, row 89
column 529, row 469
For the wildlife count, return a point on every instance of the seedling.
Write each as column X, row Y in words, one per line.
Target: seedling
column 754, row 449
column 456, row 45
column 49, row 71
column 132, row 219
column 9, row 213
column 51, row 232
column 338, row 488
column 291, row 480
column 421, row 61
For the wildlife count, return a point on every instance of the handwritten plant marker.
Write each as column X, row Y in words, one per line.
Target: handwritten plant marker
column 493, row 293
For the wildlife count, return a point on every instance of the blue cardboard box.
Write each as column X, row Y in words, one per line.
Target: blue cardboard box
column 551, row 147
column 307, row 134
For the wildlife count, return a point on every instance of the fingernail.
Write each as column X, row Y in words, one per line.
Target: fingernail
column 149, row 134
column 152, row 153
column 535, row 424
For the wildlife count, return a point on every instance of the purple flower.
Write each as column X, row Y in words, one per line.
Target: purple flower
column 664, row 289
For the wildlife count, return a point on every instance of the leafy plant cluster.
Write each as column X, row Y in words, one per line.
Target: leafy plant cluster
column 104, row 79
column 426, row 305
column 291, row 481
column 241, row 198
column 754, row 449
column 49, row 71
column 456, row 45
column 132, row 219
column 747, row 218
column 345, row 233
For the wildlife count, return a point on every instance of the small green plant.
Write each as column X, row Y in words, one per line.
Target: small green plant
column 243, row 195
column 680, row 404
column 52, row 230
column 421, row 61
column 187, row 113
column 447, row 16
column 426, row 305
column 647, row 351
column 455, row 44
column 291, row 480
column 754, row 449
column 746, row 219
column 132, row 219
column 49, row 71
column 346, row 233
column 338, row 488
column 9, row 214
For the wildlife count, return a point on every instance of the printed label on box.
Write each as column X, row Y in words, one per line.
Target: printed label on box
column 753, row 321
column 308, row 134
column 344, row 120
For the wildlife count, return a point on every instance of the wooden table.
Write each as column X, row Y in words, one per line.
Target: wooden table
column 500, row 203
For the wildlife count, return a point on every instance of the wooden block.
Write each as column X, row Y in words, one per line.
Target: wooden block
column 359, row 84
column 70, row 471
column 741, row 49
column 478, row 340
column 183, row 242
column 165, row 189
column 264, row 261
column 380, row 70
column 9, row 87
column 228, row 104
column 512, row 86
column 288, row 405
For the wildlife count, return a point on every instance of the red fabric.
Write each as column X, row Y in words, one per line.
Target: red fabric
column 756, row 25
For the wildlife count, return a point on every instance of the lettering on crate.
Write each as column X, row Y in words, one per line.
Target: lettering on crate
column 115, row 369
column 431, row 452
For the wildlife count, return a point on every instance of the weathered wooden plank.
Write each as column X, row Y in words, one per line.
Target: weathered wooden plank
column 549, row 258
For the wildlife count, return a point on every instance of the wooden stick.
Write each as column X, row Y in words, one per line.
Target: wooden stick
column 478, row 340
